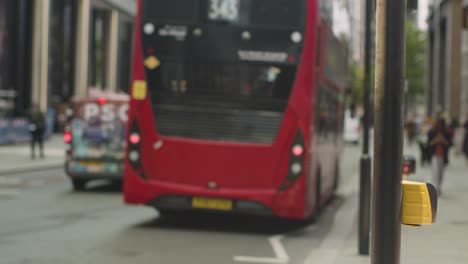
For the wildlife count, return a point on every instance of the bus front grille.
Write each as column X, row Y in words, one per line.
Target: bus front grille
column 244, row 126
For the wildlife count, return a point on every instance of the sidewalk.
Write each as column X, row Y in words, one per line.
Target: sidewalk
column 444, row 242
column 16, row 158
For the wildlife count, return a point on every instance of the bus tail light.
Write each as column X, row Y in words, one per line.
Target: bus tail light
column 67, row 137
column 134, row 138
column 298, row 150
column 134, row 156
column 134, row 149
column 296, row 168
column 296, row 161
column 102, row 101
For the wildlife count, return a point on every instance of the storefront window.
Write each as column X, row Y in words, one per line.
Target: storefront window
column 15, row 56
column 125, row 54
column 62, row 49
column 98, row 48
column 5, row 58
column 62, row 39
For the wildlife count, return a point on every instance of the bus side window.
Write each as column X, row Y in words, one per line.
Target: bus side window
column 319, row 47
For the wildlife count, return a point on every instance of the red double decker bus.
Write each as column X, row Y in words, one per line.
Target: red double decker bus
column 236, row 106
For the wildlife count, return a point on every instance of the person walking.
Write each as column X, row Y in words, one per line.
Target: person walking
column 410, row 130
column 37, row 124
column 465, row 141
column 426, row 126
column 439, row 142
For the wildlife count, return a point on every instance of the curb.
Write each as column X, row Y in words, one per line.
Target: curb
column 31, row 169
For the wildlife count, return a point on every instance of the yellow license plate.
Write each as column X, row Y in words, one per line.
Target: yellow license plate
column 212, row 203
column 93, row 166
column 91, row 163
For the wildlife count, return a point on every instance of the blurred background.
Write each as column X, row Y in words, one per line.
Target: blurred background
column 55, row 51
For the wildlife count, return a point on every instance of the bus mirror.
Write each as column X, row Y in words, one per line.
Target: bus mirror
column 419, row 203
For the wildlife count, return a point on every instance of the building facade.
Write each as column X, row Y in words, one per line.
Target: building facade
column 54, row 50
column 447, row 58
column 358, row 18
column 15, row 55
column 464, row 70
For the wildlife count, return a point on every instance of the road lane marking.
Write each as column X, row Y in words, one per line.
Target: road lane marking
column 330, row 247
column 37, row 183
column 9, row 192
column 278, row 248
column 10, row 181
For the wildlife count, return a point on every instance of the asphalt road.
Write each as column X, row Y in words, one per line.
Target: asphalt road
column 43, row 221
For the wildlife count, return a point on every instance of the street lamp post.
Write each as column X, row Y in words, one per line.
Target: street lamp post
column 365, row 168
column 388, row 143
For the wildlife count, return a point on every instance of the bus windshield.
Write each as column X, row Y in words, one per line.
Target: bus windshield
column 209, row 78
column 216, row 101
column 224, row 85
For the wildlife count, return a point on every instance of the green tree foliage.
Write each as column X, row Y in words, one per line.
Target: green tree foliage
column 415, row 60
column 356, row 74
column 415, row 67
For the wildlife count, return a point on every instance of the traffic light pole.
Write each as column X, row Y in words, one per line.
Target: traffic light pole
column 388, row 143
column 365, row 179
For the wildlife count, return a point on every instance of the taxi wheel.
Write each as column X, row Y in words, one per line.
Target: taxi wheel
column 78, row 185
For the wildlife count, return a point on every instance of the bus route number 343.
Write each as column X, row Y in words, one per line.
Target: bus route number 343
column 224, row 10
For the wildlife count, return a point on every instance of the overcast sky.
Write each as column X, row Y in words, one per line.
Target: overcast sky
column 423, row 13
column 341, row 17
column 340, row 20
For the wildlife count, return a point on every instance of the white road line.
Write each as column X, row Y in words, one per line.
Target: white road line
column 278, row 248
column 10, row 181
column 9, row 192
column 330, row 247
column 37, row 183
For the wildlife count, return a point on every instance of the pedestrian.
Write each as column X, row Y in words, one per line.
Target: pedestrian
column 426, row 126
column 422, row 143
column 410, row 130
column 452, row 127
column 37, row 124
column 465, row 141
column 439, row 142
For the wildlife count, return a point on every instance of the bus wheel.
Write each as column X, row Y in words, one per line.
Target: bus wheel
column 168, row 213
column 318, row 192
column 78, row 184
column 336, row 183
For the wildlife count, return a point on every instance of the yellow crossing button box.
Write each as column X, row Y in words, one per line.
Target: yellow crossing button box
column 419, row 203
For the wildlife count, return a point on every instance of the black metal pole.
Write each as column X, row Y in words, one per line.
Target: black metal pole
column 21, row 74
column 388, row 143
column 365, row 179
